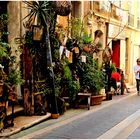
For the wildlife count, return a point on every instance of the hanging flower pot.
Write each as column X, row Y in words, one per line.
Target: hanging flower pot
column 37, row 31
column 62, row 8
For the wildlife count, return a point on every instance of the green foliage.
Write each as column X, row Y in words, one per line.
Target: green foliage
column 67, row 73
column 113, row 67
column 3, row 49
column 3, row 45
column 3, row 23
column 14, row 78
column 92, row 78
column 76, row 27
column 74, row 88
column 86, row 38
column 70, row 86
column 39, row 10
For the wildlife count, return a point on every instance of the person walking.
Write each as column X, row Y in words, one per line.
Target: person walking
column 137, row 75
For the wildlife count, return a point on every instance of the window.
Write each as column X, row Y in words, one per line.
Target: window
column 105, row 5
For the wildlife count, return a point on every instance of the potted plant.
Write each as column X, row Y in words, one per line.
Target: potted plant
column 86, row 39
column 92, row 79
column 13, row 79
column 69, row 85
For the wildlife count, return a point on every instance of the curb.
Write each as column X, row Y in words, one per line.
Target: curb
column 43, row 118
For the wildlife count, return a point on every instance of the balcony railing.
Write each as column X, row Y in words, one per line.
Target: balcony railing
column 130, row 19
column 114, row 11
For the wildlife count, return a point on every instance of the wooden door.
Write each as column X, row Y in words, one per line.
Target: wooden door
column 116, row 53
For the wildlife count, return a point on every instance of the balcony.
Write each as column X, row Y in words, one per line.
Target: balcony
column 107, row 9
column 116, row 12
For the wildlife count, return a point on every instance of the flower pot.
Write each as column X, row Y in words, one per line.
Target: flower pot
column 86, row 49
column 96, row 100
column 55, row 116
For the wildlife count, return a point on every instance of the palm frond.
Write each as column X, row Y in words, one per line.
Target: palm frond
column 38, row 9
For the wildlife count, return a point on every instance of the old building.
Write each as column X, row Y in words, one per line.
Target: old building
column 119, row 22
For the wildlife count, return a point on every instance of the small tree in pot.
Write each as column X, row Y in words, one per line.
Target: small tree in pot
column 92, row 78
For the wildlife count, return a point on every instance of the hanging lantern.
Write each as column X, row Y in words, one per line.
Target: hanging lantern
column 37, row 31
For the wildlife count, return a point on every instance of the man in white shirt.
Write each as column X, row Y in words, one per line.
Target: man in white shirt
column 137, row 75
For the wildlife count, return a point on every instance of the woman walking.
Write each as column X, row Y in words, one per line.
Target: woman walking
column 137, row 75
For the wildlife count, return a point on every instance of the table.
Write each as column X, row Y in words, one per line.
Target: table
column 85, row 95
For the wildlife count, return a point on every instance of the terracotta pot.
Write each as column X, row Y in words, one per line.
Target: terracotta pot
column 55, row 116
column 86, row 49
column 96, row 100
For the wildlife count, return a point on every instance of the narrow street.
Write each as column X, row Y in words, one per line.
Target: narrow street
column 92, row 124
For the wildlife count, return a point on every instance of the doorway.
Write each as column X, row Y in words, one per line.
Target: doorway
column 116, row 53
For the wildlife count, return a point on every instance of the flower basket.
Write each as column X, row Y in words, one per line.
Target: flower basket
column 62, row 8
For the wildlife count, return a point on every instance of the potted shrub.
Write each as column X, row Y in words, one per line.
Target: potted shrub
column 86, row 42
column 69, row 85
column 92, row 79
column 13, row 79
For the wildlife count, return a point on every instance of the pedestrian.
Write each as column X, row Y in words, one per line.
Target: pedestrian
column 116, row 81
column 137, row 75
column 115, row 78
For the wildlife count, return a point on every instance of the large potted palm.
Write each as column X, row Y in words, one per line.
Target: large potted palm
column 45, row 12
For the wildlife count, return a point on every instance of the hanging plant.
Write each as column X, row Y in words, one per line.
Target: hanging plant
column 62, row 8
